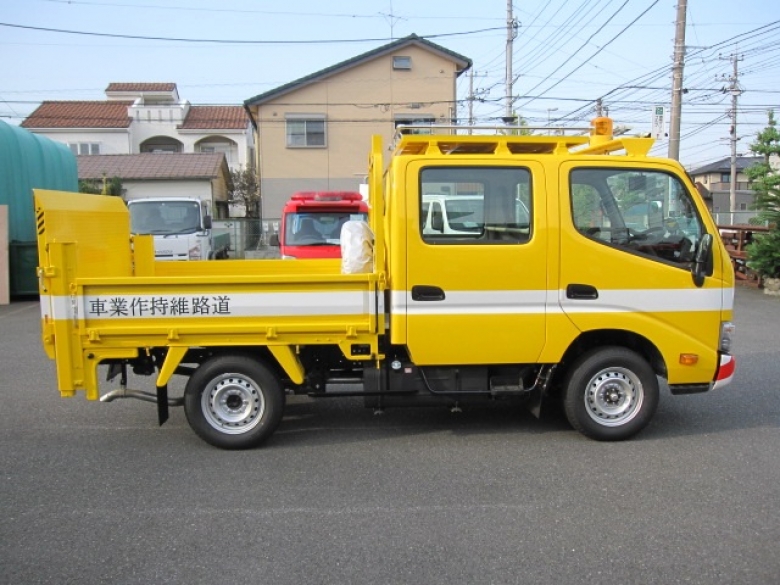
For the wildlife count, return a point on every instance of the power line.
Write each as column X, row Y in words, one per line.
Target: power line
column 235, row 41
column 251, row 11
column 586, row 60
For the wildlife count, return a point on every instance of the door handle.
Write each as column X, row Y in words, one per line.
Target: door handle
column 426, row 292
column 582, row 291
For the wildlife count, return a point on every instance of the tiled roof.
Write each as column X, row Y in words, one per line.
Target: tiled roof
column 152, row 166
column 141, row 87
column 724, row 165
column 215, row 117
column 113, row 114
column 79, row 114
column 463, row 62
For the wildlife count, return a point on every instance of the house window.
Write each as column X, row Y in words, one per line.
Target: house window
column 402, row 62
column 161, row 148
column 725, row 177
column 306, row 132
column 216, row 147
column 161, row 145
column 84, row 147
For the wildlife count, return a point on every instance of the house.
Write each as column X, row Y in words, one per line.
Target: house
column 202, row 175
column 714, row 183
column 315, row 133
column 146, row 118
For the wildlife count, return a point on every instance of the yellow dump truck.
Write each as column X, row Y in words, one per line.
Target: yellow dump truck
column 581, row 270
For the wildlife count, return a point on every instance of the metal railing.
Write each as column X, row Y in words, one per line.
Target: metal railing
column 249, row 236
column 737, row 218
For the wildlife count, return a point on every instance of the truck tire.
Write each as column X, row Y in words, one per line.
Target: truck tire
column 610, row 394
column 233, row 402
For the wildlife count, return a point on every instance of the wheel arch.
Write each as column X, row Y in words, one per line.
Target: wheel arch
column 589, row 340
column 259, row 353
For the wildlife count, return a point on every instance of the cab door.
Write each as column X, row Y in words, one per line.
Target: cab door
column 629, row 236
column 476, row 295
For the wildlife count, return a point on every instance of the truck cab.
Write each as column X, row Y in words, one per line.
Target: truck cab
column 182, row 228
column 312, row 222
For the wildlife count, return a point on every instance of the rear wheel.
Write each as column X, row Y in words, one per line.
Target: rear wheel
column 233, row 402
column 610, row 394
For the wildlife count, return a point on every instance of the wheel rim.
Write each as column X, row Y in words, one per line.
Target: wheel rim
column 233, row 404
column 614, row 396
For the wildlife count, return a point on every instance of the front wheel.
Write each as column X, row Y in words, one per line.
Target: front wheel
column 610, row 394
column 233, row 402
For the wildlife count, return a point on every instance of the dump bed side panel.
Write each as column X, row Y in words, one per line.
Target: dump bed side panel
column 99, row 301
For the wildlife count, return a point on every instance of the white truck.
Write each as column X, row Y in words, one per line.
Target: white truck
column 461, row 214
column 181, row 227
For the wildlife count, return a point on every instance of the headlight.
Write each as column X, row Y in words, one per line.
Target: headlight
column 727, row 330
column 195, row 253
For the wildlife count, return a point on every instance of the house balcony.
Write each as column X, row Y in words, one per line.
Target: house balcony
column 170, row 113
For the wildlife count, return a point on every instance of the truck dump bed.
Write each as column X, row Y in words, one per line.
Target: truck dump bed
column 104, row 297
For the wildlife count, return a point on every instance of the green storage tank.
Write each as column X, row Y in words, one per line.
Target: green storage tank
column 27, row 162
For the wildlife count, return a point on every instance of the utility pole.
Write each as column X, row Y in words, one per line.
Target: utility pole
column 471, row 98
column 735, row 92
column 677, row 80
column 511, row 33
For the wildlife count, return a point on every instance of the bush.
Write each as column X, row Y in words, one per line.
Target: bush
column 764, row 253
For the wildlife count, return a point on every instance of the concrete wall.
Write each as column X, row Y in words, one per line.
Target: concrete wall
column 112, row 141
column 5, row 281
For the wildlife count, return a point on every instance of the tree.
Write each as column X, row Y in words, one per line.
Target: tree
column 517, row 126
column 246, row 190
column 112, row 186
column 764, row 179
column 764, row 252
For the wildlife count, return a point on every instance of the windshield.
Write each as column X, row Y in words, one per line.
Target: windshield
column 165, row 217
column 317, row 229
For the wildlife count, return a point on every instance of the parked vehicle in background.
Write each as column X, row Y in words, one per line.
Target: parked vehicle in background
column 312, row 220
column 462, row 214
column 181, row 227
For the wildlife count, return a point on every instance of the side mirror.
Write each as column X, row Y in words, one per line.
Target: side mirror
column 702, row 263
column 207, row 222
column 273, row 240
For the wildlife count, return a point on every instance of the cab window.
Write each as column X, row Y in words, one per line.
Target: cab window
column 644, row 212
column 475, row 205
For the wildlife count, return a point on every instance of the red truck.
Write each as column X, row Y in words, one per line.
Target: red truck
column 311, row 222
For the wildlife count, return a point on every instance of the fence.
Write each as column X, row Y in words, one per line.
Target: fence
column 249, row 236
column 736, row 218
column 736, row 238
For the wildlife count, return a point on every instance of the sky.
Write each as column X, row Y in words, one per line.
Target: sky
column 565, row 55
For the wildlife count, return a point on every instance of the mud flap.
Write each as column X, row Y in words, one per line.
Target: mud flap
column 534, row 404
column 162, row 404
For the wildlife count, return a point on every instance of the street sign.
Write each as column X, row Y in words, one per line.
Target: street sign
column 659, row 124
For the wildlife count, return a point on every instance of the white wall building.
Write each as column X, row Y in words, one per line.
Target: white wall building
column 146, row 117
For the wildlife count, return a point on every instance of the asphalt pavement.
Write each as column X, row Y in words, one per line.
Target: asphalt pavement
column 98, row 493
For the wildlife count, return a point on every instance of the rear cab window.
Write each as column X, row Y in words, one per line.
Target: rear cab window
column 475, row 205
